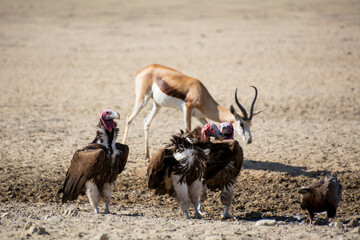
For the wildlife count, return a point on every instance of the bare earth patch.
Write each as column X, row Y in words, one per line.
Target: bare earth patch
column 62, row 62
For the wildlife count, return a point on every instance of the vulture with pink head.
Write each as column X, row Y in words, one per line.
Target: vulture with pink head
column 224, row 162
column 94, row 168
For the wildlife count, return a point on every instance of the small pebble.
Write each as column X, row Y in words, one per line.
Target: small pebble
column 265, row 222
column 103, row 236
column 337, row 225
column 28, row 224
column 37, row 229
column 353, row 223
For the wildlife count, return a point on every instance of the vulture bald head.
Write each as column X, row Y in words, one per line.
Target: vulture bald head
column 227, row 130
column 211, row 130
column 107, row 119
column 324, row 196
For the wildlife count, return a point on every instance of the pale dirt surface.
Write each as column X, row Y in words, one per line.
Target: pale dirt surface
column 62, row 62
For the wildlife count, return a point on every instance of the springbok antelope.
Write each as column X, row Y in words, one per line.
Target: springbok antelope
column 170, row 88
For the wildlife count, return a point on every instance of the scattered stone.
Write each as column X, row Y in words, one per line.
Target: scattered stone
column 265, row 222
column 28, row 224
column 356, row 230
column 6, row 215
column 37, row 229
column 214, row 237
column 353, row 223
column 71, row 212
column 103, row 236
column 338, row 225
column 47, row 217
column 238, row 232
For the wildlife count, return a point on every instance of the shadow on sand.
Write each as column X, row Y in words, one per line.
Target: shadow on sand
column 280, row 167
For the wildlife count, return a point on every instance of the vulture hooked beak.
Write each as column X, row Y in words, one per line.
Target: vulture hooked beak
column 108, row 115
column 227, row 130
column 220, row 137
column 211, row 130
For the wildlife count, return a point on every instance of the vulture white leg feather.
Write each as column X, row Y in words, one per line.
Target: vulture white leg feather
column 226, row 197
column 194, row 193
column 182, row 195
column 106, row 195
column 93, row 194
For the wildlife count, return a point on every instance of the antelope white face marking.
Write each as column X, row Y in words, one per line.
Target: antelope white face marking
column 243, row 129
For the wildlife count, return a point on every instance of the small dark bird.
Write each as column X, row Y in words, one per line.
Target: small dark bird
column 94, row 168
column 179, row 168
column 324, row 196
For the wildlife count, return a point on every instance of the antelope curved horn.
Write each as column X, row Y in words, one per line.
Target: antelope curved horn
column 252, row 104
column 240, row 106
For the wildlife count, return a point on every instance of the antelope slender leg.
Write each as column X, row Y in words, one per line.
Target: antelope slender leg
column 147, row 122
column 203, row 121
column 139, row 104
column 187, row 117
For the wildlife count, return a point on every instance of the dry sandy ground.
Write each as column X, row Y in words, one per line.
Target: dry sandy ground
column 62, row 62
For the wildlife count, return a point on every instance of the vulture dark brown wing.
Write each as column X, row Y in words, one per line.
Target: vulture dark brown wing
column 225, row 164
column 85, row 164
column 219, row 158
column 157, row 169
column 238, row 152
column 121, row 160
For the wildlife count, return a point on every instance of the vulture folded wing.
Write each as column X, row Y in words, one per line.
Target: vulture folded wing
column 219, row 158
column 159, row 165
column 224, row 164
column 122, row 157
column 238, row 152
column 85, row 164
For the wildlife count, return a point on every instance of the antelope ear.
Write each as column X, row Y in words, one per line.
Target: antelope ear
column 232, row 110
column 181, row 132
